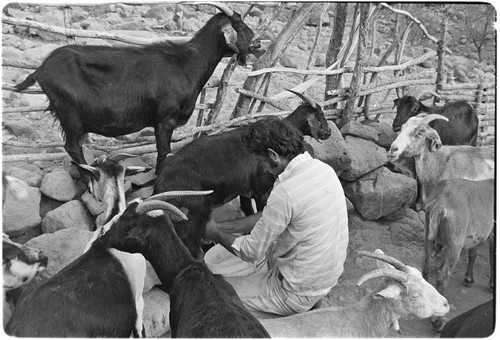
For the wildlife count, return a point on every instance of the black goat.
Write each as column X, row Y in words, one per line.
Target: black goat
column 461, row 129
column 478, row 322
column 202, row 305
column 223, row 164
column 114, row 91
column 100, row 293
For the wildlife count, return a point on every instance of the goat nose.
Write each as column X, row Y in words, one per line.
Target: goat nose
column 393, row 149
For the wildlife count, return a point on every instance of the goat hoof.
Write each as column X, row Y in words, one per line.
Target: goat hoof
column 468, row 282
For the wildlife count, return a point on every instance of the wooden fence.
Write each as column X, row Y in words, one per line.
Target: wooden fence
column 481, row 96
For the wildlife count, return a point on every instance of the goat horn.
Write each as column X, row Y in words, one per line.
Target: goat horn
column 172, row 194
column 144, row 207
column 384, row 272
column 220, row 6
column 305, row 98
column 386, row 258
column 120, row 156
column 433, row 116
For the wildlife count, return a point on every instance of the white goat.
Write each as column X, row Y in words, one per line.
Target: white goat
column 459, row 215
column 403, row 293
column 434, row 162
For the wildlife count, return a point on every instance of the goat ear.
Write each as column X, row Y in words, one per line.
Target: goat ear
column 132, row 170
column 88, row 170
column 390, row 292
column 314, row 125
column 231, row 37
column 395, row 102
column 434, row 142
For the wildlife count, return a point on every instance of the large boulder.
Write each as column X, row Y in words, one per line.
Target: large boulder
column 72, row 215
column 366, row 156
column 386, row 135
column 61, row 247
column 59, row 185
column 21, row 216
column 333, row 151
column 381, row 193
column 156, row 313
column 356, row 129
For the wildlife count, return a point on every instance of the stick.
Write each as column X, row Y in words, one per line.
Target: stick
column 88, row 33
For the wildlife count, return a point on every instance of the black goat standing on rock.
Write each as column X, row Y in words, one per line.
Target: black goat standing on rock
column 113, row 91
column 222, row 163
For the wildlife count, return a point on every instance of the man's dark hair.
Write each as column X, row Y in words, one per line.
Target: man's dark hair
column 274, row 133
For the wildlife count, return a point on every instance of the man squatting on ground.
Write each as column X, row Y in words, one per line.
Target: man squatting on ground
column 302, row 232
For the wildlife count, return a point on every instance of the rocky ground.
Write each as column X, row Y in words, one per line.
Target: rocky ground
column 57, row 197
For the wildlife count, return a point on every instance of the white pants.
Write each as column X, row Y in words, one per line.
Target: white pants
column 260, row 289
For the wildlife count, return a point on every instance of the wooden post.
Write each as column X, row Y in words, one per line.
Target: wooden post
column 70, row 39
column 222, row 90
column 271, row 56
column 360, row 64
column 440, row 51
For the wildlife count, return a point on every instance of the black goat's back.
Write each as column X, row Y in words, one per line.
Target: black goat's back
column 91, row 297
column 204, row 305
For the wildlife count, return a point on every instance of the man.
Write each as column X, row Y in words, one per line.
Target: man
column 304, row 226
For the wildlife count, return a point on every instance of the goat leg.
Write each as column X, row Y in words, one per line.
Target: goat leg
column 469, row 274
column 246, row 205
column 163, row 134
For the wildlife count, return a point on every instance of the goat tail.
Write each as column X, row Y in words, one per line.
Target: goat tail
column 29, row 81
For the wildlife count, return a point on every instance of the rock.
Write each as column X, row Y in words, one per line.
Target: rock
column 158, row 13
column 142, row 192
column 19, row 217
column 320, row 60
column 354, row 128
column 21, row 129
column 71, row 215
column 333, row 151
column 381, row 193
column 156, row 313
column 142, row 178
column 366, row 156
column 27, row 44
column 289, row 60
column 348, row 203
column 61, row 247
column 255, row 12
column 38, row 54
column 134, row 161
column 192, row 25
column 386, row 135
column 303, row 47
column 128, row 26
column 31, row 178
column 59, row 185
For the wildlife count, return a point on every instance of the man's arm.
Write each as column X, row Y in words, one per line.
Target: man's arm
column 242, row 225
column 222, row 232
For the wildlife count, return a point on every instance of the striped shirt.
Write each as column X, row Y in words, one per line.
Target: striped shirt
column 305, row 221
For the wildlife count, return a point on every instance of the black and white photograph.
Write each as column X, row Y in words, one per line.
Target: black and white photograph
column 201, row 169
